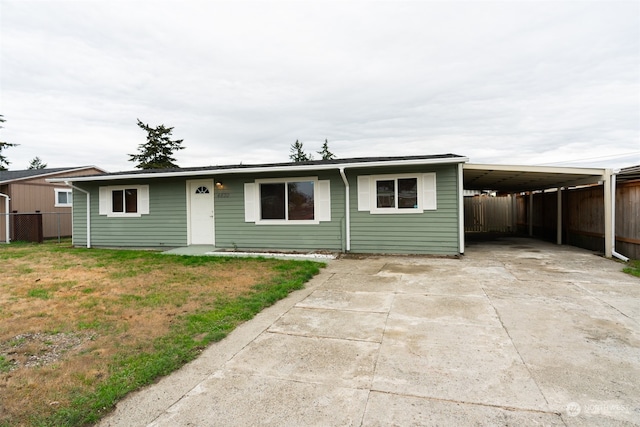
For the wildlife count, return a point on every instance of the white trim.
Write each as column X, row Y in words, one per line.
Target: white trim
column 7, row 199
column 541, row 169
column 373, row 195
column 461, row 208
column 106, row 201
column 250, row 202
column 258, row 205
column 57, row 191
column 210, row 184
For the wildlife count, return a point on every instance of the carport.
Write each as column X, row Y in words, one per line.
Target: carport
column 516, row 179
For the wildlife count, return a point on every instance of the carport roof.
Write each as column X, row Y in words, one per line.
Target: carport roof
column 515, row 179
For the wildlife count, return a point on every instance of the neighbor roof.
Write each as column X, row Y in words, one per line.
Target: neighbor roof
column 630, row 173
column 274, row 167
column 10, row 176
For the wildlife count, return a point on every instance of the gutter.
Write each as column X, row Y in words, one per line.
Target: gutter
column 613, row 217
column 347, row 209
column 88, row 211
column 6, row 210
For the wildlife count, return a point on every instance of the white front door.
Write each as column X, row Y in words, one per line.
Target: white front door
column 201, row 219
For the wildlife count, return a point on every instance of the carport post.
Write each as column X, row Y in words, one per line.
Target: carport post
column 608, row 214
column 531, row 214
column 559, row 227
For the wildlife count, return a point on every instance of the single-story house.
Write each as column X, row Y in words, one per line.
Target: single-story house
column 24, row 192
column 410, row 204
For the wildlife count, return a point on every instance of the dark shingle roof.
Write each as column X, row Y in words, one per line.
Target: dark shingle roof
column 7, row 176
column 363, row 160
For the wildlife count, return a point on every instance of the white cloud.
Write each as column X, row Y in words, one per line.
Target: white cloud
column 505, row 82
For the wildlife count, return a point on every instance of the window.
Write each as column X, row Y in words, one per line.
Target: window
column 287, row 201
column 381, row 194
column 124, row 201
column 64, row 198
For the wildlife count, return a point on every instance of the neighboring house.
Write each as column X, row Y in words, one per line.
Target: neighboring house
column 29, row 192
column 366, row 205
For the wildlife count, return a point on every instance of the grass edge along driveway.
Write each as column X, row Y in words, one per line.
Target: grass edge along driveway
column 149, row 273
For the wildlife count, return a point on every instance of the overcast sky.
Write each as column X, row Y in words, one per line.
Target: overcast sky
column 552, row 82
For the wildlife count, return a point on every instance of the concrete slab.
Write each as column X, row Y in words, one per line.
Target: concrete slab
column 357, row 301
column 348, row 325
column 327, row 361
column 386, row 409
column 516, row 332
column 228, row 399
column 464, row 363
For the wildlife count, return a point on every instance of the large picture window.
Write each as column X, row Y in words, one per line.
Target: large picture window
column 287, row 201
column 124, row 201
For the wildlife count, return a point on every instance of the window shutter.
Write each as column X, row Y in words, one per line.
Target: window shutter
column 323, row 200
column 143, row 200
column 104, row 201
column 429, row 191
column 250, row 202
column 364, row 190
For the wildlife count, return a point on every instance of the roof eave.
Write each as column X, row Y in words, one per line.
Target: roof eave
column 247, row 170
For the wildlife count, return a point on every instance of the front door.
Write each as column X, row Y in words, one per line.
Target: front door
column 201, row 219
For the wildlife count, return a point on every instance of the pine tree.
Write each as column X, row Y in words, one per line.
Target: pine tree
column 325, row 153
column 298, row 154
column 157, row 152
column 3, row 160
column 36, row 163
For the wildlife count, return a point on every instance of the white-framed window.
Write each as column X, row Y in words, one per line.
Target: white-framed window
column 124, row 200
column 64, row 197
column 397, row 194
column 304, row 200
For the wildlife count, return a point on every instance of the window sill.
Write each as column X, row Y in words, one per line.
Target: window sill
column 124, row 215
column 285, row 222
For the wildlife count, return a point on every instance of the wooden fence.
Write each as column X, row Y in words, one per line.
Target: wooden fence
column 485, row 214
column 583, row 217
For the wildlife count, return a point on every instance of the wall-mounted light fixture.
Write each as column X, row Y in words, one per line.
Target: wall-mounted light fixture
column 219, row 185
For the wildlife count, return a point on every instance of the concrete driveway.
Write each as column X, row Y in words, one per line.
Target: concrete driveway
column 517, row 332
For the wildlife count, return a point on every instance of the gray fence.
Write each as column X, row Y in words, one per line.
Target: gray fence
column 35, row 226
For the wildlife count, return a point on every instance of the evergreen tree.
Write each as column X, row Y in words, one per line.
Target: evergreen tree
column 36, row 163
column 157, row 152
column 298, row 154
column 325, row 153
column 3, row 160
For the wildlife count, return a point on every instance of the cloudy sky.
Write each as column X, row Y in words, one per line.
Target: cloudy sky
column 550, row 82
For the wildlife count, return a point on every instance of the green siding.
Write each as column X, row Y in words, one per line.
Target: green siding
column 431, row 232
column 164, row 226
column 79, row 214
column 233, row 232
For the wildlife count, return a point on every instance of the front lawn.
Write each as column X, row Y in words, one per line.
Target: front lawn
column 80, row 328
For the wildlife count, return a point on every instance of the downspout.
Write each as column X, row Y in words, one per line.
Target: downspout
column 613, row 218
column 6, row 210
column 347, row 209
column 460, row 208
column 88, row 211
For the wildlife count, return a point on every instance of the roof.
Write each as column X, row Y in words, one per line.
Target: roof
column 518, row 178
column 312, row 165
column 10, row 176
column 630, row 173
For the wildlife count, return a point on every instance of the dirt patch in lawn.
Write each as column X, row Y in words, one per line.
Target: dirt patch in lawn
column 64, row 314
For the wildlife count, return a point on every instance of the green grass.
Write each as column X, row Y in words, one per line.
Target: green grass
column 5, row 365
column 189, row 334
column 132, row 371
column 633, row 268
